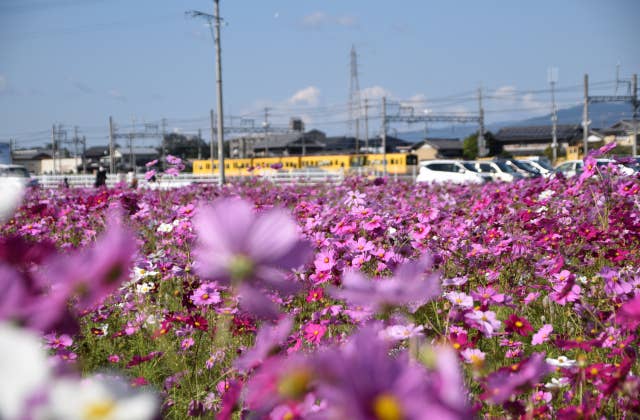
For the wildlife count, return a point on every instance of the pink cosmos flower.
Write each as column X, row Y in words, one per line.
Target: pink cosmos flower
column 614, row 283
column 206, row 294
column 325, row 260
column 269, row 340
column 473, row 356
column 412, row 284
column 315, row 294
column 249, row 251
column 542, row 335
column 565, row 289
column 314, row 332
column 114, row 358
column 58, row 342
column 149, row 174
column 187, row 343
column 485, row 321
column 513, row 380
column 460, row 299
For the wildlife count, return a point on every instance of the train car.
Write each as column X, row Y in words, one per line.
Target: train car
column 232, row 167
column 397, row 163
column 364, row 164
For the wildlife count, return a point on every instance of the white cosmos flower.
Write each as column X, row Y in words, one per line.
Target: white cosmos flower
column 557, row 383
column 561, row 361
column 145, row 288
column 24, row 369
column 546, row 194
column 401, row 332
column 165, row 227
column 99, row 398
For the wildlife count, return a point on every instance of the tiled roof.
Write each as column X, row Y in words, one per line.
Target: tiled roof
column 541, row 133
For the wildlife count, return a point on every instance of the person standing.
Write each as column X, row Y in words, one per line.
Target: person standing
column 101, row 177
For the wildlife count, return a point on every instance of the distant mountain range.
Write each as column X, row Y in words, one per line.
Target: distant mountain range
column 601, row 115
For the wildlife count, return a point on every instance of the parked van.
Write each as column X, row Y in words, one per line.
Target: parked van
column 452, row 171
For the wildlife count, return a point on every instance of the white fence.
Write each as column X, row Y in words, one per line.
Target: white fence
column 182, row 180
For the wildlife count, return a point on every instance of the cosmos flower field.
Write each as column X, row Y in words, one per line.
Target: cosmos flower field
column 372, row 299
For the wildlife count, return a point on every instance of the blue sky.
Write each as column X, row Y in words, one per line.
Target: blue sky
column 75, row 62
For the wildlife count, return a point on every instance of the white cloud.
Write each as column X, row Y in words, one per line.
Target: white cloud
column 306, row 96
column 375, row 92
column 117, row 95
column 315, row 20
column 529, row 101
column 417, row 101
column 505, row 92
column 320, row 19
column 347, row 21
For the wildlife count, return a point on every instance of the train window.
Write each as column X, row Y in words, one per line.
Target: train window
column 412, row 160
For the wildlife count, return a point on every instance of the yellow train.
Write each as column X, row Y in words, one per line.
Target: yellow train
column 397, row 163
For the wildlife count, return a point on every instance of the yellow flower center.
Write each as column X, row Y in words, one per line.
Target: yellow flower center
column 240, row 267
column 99, row 410
column 295, row 384
column 205, row 296
column 387, row 407
column 519, row 324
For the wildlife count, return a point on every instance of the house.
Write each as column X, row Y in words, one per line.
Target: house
column 621, row 132
column 99, row 155
column 140, row 155
column 348, row 145
column 294, row 143
column 31, row 158
column 437, row 148
column 534, row 140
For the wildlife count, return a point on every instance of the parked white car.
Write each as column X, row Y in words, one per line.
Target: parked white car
column 452, row 171
column 497, row 170
column 575, row 167
column 17, row 172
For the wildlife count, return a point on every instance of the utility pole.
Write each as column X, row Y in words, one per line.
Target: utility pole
column 366, row 124
column 221, row 180
column 53, row 146
column 199, row 143
column 75, row 148
column 585, row 117
column 163, row 145
column 482, row 147
column 631, row 98
column 112, row 158
column 220, row 125
column 213, row 137
column 84, row 155
column 132, row 158
column 634, row 94
column 265, row 124
column 384, row 136
column 553, row 76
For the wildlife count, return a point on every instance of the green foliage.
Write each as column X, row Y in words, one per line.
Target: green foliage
column 185, row 147
column 470, row 146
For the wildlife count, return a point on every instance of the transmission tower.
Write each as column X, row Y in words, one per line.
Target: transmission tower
column 354, row 97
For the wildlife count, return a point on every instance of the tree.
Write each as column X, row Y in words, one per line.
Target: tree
column 470, row 146
column 186, row 147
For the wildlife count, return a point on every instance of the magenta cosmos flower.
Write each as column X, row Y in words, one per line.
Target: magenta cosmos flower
column 248, row 251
